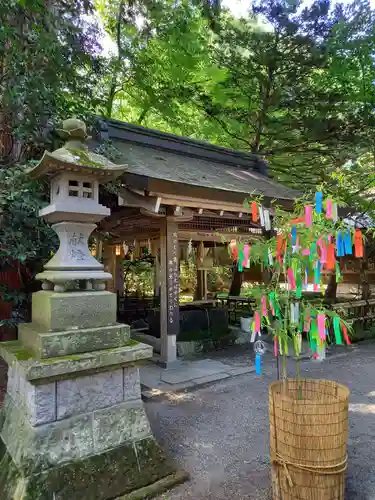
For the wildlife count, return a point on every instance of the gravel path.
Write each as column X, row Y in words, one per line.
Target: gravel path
column 219, row 434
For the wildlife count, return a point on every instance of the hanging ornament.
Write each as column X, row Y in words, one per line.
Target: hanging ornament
column 331, row 259
column 275, row 346
column 258, row 364
column 321, row 321
column 270, row 257
column 294, row 235
column 329, row 209
column 345, row 333
column 337, row 330
column 291, row 280
column 267, row 220
column 348, row 247
column 358, row 243
column 261, row 216
column 254, row 211
column 334, row 212
column 340, row 247
column 246, row 251
column 264, row 306
column 190, row 247
column 125, row 248
column 317, row 269
column 318, row 202
column 308, row 215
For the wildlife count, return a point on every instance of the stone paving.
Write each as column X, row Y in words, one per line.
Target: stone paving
column 219, row 434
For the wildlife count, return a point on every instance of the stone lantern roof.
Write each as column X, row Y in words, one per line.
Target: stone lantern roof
column 74, row 156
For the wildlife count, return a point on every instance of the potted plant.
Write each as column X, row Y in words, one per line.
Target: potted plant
column 308, row 418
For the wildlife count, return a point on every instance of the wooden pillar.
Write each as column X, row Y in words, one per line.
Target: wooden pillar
column 119, row 277
column 201, row 290
column 155, row 252
column 170, row 287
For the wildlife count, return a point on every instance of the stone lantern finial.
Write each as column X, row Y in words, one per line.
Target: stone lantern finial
column 73, row 129
column 75, row 174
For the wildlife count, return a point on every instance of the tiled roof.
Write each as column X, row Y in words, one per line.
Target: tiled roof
column 168, row 157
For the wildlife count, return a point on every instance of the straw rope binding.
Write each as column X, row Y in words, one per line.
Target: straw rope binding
column 308, row 439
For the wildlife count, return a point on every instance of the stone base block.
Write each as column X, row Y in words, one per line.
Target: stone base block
column 72, row 365
column 36, row 449
column 114, row 473
column 73, row 310
column 53, row 344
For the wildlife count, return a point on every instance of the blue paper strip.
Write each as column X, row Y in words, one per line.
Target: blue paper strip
column 294, row 235
column 318, row 202
column 258, row 364
column 317, row 273
column 340, row 247
column 348, row 243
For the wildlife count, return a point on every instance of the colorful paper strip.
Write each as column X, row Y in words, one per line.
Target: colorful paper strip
column 358, row 243
column 254, row 211
column 318, row 202
column 258, row 364
column 321, row 320
column 337, row 330
column 329, row 209
column 308, row 215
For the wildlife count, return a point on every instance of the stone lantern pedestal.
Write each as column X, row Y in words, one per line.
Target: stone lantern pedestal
column 73, row 425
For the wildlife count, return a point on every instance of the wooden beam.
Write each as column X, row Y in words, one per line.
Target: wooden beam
column 129, row 198
column 202, row 204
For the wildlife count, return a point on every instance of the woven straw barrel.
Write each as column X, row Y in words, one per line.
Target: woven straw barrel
column 308, row 439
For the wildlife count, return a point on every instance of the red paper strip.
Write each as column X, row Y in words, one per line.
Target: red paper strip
column 345, row 333
column 358, row 243
column 254, row 211
column 331, row 259
column 291, row 279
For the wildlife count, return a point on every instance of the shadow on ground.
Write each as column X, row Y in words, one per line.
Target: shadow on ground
column 220, row 434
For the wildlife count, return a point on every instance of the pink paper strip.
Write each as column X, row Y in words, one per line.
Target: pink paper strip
column 305, row 252
column 329, row 209
column 308, row 215
column 257, row 322
column 275, row 346
column 264, row 306
column 292, row 281
column 272, row 309
column 245, row 255
column 316, row 288
column 321, row 320
column 307, row 325
column 323, row 255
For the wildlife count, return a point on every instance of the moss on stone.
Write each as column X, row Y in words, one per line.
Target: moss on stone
column 79, row 357
column 100, row 477
column 19, row 352
column 84, row 158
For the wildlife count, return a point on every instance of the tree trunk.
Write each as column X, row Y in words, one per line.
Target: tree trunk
column 365, row 285
column 331, row 291
column 237, row 279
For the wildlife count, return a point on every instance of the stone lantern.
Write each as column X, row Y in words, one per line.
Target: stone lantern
column 73, row 424
column 75, row 175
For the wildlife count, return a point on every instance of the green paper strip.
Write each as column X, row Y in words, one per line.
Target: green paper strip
column 314, row 329
column 240, row 257
column 313, row 344
column 338, row 273
column 312, row 252
column 337, row 330
column 286, row 347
